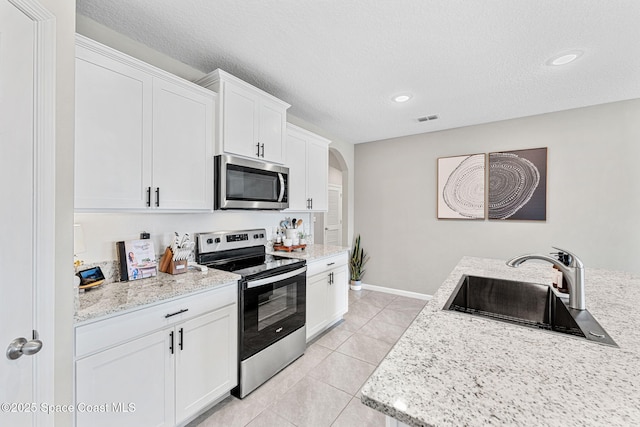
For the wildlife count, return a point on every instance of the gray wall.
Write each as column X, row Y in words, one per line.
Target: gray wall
column 593, row 196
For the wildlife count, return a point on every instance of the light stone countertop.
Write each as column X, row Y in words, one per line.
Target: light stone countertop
column 452, row 369
column 111, row 298
column 312, row 252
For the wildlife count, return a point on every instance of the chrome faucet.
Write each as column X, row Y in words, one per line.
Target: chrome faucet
column 573, row 273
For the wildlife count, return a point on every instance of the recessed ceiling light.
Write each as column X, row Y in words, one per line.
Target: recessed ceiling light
column 403, row 97
column 565, row 57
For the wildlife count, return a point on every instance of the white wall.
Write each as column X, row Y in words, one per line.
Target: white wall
column 101, row 231
column 593, row 196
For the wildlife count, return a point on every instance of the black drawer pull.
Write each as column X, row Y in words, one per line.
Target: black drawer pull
column 331, row 263
column 171, row 344
column 180, row 332
column 176, row 313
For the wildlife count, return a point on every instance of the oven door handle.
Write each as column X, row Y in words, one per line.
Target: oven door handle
column 282, row 188
column 273, row 279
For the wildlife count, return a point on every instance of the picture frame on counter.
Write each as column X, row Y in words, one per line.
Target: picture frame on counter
column 137, row 259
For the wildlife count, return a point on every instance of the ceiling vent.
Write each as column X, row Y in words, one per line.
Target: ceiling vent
column 427, row 118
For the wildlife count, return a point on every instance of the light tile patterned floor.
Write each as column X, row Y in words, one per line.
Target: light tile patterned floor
column 322, row 388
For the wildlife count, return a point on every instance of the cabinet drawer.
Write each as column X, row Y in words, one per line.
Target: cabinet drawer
column 326, row 264
column 105, row 333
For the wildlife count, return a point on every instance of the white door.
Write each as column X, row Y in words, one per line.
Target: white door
column 333, row 217
column 26, row 222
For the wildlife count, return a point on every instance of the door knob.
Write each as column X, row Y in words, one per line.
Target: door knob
column 20, row 346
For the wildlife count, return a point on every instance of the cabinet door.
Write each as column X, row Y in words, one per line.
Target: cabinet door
column 297, row 164
column 338, row 298
column 240, row 121
column 138, row 373
column 316, row 303
column 318, row 174
column 272, row 126
column 206, row 360
column 182, row 147
column 113, row 133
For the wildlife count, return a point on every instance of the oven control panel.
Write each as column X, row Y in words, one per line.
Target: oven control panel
column 237, row 237
column 224, row 240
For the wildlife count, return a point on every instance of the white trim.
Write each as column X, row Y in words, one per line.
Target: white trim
column 400, row 292
column 44, row 199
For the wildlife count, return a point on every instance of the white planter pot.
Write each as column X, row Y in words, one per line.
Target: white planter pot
column 356, row 285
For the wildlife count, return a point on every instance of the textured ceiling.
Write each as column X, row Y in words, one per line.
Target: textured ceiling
column 339, row 62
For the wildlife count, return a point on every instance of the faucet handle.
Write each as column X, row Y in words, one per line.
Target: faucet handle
column 573, row 260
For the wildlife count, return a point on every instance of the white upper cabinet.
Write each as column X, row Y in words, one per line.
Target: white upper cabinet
column 182, row 147
column 144, row 137
column 308, row 163
column 113, row 133
column 251, row 123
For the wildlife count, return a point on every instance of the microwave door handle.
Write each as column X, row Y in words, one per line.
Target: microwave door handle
column 281, row 178
column 273, row 279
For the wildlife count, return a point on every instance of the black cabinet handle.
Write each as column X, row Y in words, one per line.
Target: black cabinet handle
column 180, row 332
column 262, row 150
column 311, row 202
column 258, row 149
column 171, row 342
column 184, row 310
column 157, row 196
column 330, row 264
column 148, row 197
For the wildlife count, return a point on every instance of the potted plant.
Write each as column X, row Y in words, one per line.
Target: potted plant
column 356, row 264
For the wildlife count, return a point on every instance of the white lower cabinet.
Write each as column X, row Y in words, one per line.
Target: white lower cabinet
column 138, row 373
column 204, row 360
column 162, row 377
column 327, row 293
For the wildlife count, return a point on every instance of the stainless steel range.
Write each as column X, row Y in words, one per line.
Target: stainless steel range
column 271, row 302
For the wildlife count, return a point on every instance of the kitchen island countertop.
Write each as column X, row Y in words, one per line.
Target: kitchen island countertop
column 115, row 297
column 451, row 368
column 312, row 252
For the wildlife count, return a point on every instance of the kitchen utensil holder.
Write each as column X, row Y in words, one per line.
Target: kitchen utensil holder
column 168, row 265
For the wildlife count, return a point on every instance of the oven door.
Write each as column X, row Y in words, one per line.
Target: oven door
column 246, row 184
column 271, row 308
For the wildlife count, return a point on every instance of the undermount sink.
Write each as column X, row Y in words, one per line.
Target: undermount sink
column 526, row 304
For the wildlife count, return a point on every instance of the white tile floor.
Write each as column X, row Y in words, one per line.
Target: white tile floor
column 322, row 388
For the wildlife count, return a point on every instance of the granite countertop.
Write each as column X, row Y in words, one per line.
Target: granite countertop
column 115, row 297
column 450, row 368
column 312, row 252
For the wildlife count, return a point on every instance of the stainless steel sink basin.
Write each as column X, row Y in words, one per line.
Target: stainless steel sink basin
column 526, row 304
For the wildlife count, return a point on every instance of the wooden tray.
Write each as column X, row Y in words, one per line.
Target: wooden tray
column 288, row 248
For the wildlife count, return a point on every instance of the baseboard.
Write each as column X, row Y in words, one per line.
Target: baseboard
column 393, row 291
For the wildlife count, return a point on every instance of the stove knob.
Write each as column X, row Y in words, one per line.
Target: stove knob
column 209, row 241
column 262, row 235
column 255, row 236
column 217, row 240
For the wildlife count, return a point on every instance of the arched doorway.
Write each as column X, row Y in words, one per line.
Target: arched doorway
column 330, row 227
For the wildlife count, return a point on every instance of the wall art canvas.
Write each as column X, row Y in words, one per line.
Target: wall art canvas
column 461, row 182
column 518, row 185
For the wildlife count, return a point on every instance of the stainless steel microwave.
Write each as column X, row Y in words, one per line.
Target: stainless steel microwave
column 247, row 184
